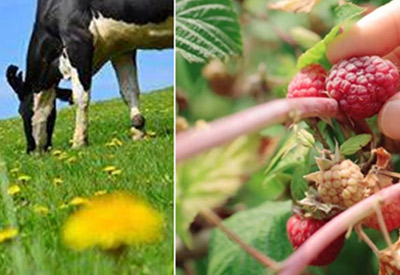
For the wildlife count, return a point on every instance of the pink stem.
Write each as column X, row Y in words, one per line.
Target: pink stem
column 195, row 141
column 298, row 261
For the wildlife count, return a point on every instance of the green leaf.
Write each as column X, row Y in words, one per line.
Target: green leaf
column 354, row 144
column 263, row 227
column 305, row 138
column 207, row 29
column 317, row 54
column 290, row 154
column 208, row 180
column 299, row 185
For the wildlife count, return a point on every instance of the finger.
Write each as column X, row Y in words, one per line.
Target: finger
column 378, row 33
column 388, row 119
column 394, row 57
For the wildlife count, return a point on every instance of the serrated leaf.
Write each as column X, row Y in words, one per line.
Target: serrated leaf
column 347, row 11
column 207, row 29
column 294, row 5
column 263, row 227
column 208, row 180
column 354, row 144
column 317, row 54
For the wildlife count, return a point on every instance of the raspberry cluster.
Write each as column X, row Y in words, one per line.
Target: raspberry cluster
column 342, row 184
column 361, row 85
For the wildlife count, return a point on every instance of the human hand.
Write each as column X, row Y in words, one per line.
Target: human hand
column 378, row 33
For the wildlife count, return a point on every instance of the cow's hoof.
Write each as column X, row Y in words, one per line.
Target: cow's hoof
column 138, row 122
column 137, row 134
column 76, row 144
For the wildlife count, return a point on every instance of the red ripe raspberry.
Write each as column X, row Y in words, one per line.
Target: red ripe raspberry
column 300, row 229
column 391, row 215
column 309, row 82
column 362, row 85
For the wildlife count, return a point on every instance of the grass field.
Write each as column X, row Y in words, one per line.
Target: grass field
column 48, row 184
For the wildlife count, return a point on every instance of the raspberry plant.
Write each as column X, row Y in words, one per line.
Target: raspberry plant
column 317, row 191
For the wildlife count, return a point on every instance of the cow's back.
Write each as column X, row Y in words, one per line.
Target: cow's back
column 135, row 11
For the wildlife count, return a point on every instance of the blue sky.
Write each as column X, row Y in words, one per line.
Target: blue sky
column 16, row 22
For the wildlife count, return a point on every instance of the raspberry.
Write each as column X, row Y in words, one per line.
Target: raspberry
column 361, row 85
column 341, row 184
column 299, row 230
column 391, row 215
column 309, row 82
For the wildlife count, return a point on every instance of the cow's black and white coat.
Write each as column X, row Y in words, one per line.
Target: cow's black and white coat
column 73, row 39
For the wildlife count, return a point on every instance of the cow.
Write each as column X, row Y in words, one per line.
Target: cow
column 72, row 40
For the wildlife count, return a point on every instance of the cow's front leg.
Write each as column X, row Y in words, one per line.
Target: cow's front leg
column 81, row 98
column 126, row 70
column 43, row 119
column 76, row 64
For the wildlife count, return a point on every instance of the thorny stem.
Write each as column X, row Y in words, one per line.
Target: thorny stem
column 213, row 219
column 382, row 225
column 366, row 239
column 195, row 141
column 314, row 124
column 298, row 261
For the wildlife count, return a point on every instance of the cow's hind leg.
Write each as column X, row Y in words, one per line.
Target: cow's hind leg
column 126, row 70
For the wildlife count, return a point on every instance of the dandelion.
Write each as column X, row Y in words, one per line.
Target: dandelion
column 109, row 169
column 112, row 221
column 57, row 153
column 13, row 189
column 71, row 160
column 115, row 142
column 100, row 193
column 57, row 181
column 63, row 156
column 14, row 171
column 24, row 178
column 8, row 234
column 63, row 206
column 116, row 172
column 40, row 209
column 151, row 134
column 77, row 201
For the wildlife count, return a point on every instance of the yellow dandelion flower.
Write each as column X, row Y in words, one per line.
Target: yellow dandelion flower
column 151, row 134
column 57, row 181
column 14, row 171
column 13, row 189
column 57, row 153
column 63, row 156
column 116, row 172
column 40, row 209
column 100, row 193
column 8, row 234
column 111, row 221
column 109, row 169
column 78, row 201
column 63, row 206
column 71, row 160
column 24, row 178
column 115, row 142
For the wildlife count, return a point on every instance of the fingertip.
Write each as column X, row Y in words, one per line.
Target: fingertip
column 388, row 119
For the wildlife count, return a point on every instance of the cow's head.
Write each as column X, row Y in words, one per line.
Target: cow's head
column 37, row 110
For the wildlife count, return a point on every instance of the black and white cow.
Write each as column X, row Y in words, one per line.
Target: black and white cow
column 73, row 39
